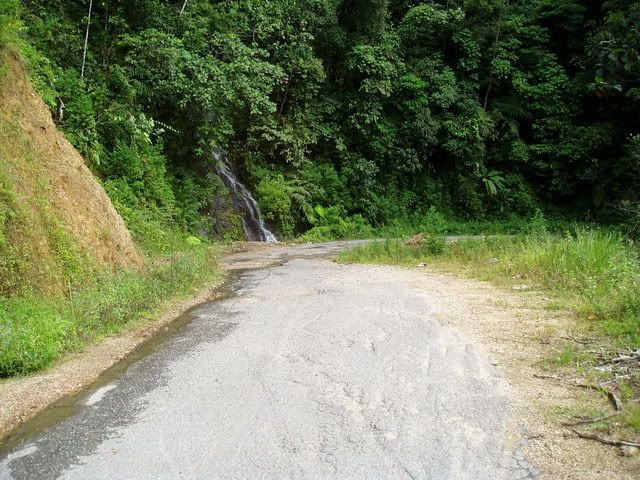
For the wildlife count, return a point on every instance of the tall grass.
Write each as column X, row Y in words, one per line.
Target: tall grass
column 601, row 270
column 395, row 251
column 435, row 223
column 597, row 272
column 32, row 334
column 35, row 330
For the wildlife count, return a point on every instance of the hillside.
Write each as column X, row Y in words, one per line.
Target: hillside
column 56, row 221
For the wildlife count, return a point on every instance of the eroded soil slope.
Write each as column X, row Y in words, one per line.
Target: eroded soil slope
column 55, row 218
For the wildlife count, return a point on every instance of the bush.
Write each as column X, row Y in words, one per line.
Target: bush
column 79, row 122
column 277, row 207
column 630, row 212
column 517, row 197
column 324, row 184
column 332, row 225
column 10, row 24
column 33, row 333
column 433, row 222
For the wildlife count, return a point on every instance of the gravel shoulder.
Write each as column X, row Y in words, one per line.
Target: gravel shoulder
column 519, row 333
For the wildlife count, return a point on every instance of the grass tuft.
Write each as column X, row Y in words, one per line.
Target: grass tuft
column 33, row 332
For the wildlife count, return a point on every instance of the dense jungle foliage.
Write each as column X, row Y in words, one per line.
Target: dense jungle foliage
column 345, row 114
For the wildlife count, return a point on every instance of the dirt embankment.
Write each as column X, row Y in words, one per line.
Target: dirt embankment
column 53, row 205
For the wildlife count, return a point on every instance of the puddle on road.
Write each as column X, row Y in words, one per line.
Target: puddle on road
column 108, row 382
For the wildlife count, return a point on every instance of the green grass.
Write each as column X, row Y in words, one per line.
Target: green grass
column 434, row 222
column 631, row 417
column 35, row 331
column 570, row 355
column 32, row 334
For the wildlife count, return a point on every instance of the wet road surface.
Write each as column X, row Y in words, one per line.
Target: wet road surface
column 305, row 369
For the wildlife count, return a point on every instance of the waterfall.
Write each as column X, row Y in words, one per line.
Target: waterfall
column 243, row 201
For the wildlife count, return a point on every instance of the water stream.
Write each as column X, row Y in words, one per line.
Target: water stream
column 252, row 222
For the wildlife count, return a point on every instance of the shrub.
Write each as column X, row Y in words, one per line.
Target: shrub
column 433, row 222
column 332, row 225
column 518, row 197
column 10, row 24
column 33, row 332
column 276, row 203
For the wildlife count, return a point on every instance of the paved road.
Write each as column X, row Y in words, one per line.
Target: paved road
column 308, row 370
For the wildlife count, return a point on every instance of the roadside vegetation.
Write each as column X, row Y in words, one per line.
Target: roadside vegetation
column 66, row 278
column 36, row 330
column 55, row 297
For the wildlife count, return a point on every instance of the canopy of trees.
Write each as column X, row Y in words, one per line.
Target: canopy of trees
column 369, row 109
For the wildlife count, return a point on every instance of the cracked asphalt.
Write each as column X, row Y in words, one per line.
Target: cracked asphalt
column 307, row 369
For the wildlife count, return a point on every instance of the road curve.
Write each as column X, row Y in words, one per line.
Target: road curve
column 306, row 369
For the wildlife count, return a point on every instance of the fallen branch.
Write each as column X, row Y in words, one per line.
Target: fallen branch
column 585, row 341
column 606, row 441
column 613, row 397
column 625, row 358
column 587, row 421
column 550, row 377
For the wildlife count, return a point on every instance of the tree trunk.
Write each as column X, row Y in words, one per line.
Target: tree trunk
column 495, row 53
column 86, row 40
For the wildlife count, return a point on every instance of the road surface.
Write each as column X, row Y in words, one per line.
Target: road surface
column 306, row 369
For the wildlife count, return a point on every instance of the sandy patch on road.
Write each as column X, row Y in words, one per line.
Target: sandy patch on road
column 518, row 333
